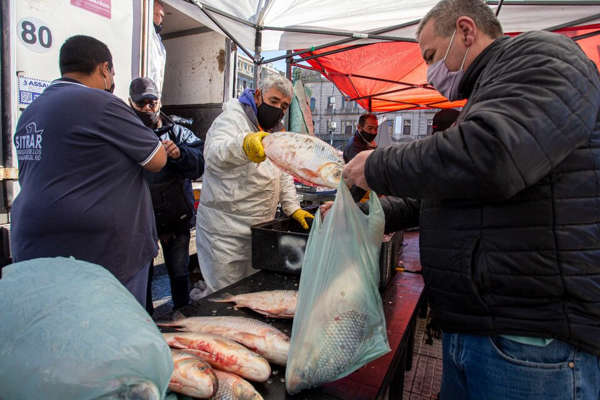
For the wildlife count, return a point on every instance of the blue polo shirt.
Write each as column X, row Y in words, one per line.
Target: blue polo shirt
column 80, row 153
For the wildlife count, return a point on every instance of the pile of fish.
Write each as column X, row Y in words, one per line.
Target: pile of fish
column 213, row 356
column 308, row 158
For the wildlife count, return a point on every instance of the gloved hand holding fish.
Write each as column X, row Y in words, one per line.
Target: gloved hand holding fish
column 307, row 158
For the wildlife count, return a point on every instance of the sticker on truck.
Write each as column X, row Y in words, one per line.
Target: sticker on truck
column 30, row 89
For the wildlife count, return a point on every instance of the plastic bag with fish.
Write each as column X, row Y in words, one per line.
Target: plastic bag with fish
column 308, row 158
column 339, row 324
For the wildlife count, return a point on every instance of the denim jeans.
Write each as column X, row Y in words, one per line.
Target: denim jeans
column 497, row 368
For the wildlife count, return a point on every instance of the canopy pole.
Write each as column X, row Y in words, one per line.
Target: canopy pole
column 585, row 36
column 574, row 23
column 499, row 7
column 257, row 58
column 357, row 35
column 370, row 104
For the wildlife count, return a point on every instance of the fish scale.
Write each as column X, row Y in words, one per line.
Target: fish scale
column 342, row 338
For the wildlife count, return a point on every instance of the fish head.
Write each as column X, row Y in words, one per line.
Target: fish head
column 195, row 377
column 244, row 391
column 331, row 173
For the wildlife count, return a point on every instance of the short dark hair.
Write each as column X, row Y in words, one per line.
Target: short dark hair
column 447, row 12
column 363, row 118
column 82, row 53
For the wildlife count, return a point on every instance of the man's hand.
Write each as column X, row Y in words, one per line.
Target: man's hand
column 172, row 149
column 354, row 171
column 300, row 215
column 325, row 207
column 253, row 146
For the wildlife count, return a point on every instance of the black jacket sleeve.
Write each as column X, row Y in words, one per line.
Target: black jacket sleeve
column 191, row 162
column 535, row 103
column 399, row 213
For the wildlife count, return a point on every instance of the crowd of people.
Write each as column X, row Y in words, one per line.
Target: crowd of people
column 505, row 193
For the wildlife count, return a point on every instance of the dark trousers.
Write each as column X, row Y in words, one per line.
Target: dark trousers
column 176, row 253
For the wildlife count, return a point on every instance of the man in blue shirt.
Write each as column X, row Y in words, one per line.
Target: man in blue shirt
column 82, row 152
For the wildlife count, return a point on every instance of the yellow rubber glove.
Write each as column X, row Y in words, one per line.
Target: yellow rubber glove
column 253, row 146
column 300, row 215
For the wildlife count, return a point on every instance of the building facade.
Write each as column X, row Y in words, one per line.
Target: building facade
column 245, row 73
column 335, row 119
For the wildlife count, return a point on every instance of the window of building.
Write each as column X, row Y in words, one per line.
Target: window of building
column 430, row 126
column 331, row 103
column 406, row 127
column 313, row 103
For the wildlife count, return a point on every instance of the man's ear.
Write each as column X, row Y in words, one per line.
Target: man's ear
column 257, row 97
column 466, row 30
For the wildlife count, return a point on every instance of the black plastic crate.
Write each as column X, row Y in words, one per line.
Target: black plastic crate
column 279, row 245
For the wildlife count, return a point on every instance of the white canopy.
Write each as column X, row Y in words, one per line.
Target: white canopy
column 289, row 24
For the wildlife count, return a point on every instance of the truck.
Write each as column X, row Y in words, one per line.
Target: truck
column 199, row 73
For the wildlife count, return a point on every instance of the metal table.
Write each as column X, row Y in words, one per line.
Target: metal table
column 400, row 299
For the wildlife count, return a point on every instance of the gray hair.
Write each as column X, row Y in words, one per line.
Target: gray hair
column 279, row 82
column 446, row 12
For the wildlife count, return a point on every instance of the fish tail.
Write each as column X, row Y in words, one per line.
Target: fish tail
column 169, row 324
column 224, row 298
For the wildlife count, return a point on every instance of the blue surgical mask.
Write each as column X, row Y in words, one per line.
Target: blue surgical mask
column 443, row 80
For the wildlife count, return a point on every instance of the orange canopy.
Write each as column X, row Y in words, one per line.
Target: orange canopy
column 392, row 76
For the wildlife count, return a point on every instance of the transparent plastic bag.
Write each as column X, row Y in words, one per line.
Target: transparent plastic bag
column 70, row 330
column 339, row 323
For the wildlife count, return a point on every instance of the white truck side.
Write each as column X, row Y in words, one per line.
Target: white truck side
column 199, row 72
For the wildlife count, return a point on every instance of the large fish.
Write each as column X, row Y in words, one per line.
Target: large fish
column 272, row 303
column 222, row 353
column 192, row 376
column 308, row 158
column 258, row 336
column 329, row 342
column 232, row 387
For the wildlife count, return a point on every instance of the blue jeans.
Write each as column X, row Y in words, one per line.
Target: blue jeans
column 497, row 368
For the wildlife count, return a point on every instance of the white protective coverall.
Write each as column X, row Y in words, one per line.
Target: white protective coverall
column 236, row 194
column 157, row 60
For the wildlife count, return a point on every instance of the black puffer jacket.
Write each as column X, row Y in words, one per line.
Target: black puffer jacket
column 510, row 210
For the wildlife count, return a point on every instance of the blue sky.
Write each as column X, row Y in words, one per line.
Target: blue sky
column 279, row 65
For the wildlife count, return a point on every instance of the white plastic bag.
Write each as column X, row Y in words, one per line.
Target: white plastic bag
column 339, row 324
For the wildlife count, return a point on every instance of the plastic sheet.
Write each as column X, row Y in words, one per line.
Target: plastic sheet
column 70, row 330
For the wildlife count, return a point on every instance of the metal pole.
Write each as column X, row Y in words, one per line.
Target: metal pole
column 357, row 35
column 573, row 23
column 288, row 74
column 257, row 58
column 224, row 14
column 585, row 36
column 499, row 7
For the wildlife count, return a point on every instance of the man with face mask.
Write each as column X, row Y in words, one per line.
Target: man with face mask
column 509, row 206
column 158, row 54
column 170, row 188
column 364, row 138
column 241, row 187
column 82, row 152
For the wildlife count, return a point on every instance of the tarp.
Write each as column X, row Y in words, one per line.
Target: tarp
column 392, row 76
column 310, row 25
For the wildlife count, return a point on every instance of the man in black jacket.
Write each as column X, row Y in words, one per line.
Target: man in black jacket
column 170, row 188
column 364, row 137
column 509, row 207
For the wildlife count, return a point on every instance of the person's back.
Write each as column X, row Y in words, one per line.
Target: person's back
column 81, row 152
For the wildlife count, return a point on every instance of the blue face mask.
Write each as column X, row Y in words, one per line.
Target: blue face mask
column 443, row 80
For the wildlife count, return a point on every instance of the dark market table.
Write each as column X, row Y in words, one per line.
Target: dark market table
column 380, row 379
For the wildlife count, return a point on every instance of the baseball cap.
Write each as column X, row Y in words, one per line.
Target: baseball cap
column 142, row 89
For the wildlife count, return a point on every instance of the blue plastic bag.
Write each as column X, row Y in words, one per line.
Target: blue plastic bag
column 70, row 330
column 339, row 323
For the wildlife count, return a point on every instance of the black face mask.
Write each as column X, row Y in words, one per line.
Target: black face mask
column 150, row 119
column 269, row 116
column 111, row 89
column 368, row 137
column 158, row 28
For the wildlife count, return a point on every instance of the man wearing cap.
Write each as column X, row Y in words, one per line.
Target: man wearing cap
column 170, row 188
column 82, row 152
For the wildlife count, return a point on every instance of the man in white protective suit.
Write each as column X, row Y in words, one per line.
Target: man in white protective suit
column 158, row 53
column 241, row 187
